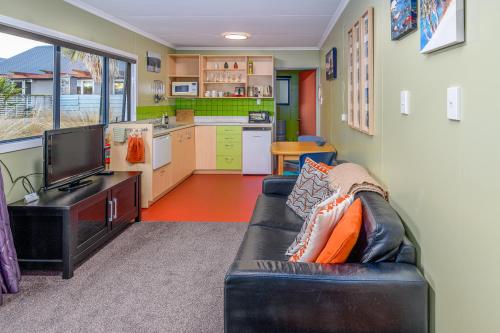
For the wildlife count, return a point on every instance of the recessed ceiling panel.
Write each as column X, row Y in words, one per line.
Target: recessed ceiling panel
column 193, row 23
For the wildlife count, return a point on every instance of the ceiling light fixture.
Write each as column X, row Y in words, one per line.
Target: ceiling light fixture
column 236, row 35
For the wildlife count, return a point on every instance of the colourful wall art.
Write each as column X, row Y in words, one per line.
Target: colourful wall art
column 441, row 24
column 403, row 18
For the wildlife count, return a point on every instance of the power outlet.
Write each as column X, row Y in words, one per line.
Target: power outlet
column 31, row 197
column 405, row 102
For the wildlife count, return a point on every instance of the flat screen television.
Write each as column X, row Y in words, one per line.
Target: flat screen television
column 72, row 154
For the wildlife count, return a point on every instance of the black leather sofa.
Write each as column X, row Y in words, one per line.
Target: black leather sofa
column 380, row 290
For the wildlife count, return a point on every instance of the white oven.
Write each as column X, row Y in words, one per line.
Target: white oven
column 184, row 88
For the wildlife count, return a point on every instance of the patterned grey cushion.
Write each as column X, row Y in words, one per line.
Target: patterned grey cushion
column 310, row 189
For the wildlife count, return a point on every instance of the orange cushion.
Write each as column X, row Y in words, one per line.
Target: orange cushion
column 322, row 167
column 343, row 237
column 326, row 166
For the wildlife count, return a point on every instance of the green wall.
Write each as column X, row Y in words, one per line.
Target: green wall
column 442, row 175
column 290, row 113
column 60, row 16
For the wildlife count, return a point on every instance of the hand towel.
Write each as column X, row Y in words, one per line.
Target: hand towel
column 135, row 149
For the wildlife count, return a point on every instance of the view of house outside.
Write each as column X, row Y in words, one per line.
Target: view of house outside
column 27, row 86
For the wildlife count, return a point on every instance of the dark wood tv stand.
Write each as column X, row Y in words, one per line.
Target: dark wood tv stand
column 63, row 228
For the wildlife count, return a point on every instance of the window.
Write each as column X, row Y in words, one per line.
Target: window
column 283, row 91
column 118, row 103
column 26, row 93
column 85, row 87
column 90, row 86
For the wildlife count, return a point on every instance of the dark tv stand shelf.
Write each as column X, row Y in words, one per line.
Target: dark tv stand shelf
column 63, row 228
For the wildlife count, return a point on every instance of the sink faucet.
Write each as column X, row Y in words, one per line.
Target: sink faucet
column 164, row 119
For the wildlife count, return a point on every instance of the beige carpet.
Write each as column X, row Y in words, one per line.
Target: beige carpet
column 154, row 277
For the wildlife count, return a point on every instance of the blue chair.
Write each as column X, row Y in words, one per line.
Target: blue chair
column 327, row 158
column 320, row 141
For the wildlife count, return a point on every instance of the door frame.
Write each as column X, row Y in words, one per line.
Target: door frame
column 318, row 81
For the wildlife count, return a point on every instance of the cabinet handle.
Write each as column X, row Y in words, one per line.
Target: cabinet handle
column 229, row 159
column 228, row 146
column 110, row 215
column 115, row 204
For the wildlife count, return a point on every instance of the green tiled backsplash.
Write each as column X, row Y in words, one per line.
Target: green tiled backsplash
column 224, row 107
column 207, row 107
column 156, row 111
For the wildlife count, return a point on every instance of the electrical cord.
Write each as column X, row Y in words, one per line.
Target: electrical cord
column 25, row 182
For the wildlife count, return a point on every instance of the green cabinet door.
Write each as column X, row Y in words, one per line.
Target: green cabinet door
column 228, row 148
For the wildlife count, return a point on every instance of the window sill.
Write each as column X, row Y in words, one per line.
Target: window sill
column 7, row 147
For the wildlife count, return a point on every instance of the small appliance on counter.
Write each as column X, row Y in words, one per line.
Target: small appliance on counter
column 259, row 117
column 184, row 88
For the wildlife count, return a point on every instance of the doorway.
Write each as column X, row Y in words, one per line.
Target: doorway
column 296, row 103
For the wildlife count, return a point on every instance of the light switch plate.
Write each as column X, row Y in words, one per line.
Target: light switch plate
column 343, row 117
column 454, row 103
column 405, row 102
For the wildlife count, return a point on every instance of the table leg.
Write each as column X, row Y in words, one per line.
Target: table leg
column 280, row 164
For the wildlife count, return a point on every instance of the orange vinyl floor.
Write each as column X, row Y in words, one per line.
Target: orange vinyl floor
column 208, row 198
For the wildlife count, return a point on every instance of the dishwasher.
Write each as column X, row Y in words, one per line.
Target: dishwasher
column 257, row 151
column 162, row 151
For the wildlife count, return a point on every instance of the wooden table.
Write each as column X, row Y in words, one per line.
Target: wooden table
column 291, row 151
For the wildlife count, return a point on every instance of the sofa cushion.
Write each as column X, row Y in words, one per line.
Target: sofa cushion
column 264, row 243
column 321, row 226
column 271, row 211
column 310, row 189
column 343, row 237
column 382, row 231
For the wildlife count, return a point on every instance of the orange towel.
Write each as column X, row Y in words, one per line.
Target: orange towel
column 135, row 150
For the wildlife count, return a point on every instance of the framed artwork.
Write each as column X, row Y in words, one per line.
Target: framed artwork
column 331, row 64
column 360, row 81
column 153, row 62
column 442, row 24
column 403, row 18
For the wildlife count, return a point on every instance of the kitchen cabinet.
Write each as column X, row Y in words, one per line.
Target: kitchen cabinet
column 183, row 154
column 162, row 180
column 228, row 148
column 205, row 146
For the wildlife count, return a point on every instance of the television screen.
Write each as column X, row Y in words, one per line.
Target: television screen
column 72, row 154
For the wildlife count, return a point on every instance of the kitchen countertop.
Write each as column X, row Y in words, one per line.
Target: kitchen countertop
column 161, row 132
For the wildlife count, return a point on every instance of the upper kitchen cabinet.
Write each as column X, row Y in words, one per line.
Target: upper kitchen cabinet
column 183, row 68
column 224, row 76
column 260, row 81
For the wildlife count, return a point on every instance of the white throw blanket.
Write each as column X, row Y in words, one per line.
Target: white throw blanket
column 350, row 178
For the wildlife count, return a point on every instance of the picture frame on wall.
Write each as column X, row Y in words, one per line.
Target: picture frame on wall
column 153, row 62
column 403, row 18
column 442, row 24
column 360, row 71
column 331, row 64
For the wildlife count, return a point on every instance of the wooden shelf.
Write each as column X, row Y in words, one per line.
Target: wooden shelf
column 183, row 76
column 211, row 82
column 225, row 70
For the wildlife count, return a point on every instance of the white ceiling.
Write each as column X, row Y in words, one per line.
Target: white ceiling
column 200, row 23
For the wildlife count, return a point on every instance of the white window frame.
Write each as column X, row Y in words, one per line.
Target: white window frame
column 28, row 143
column 81, row 84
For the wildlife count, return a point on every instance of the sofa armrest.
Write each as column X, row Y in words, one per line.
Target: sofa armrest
column 279, row 185
column 279, row 296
